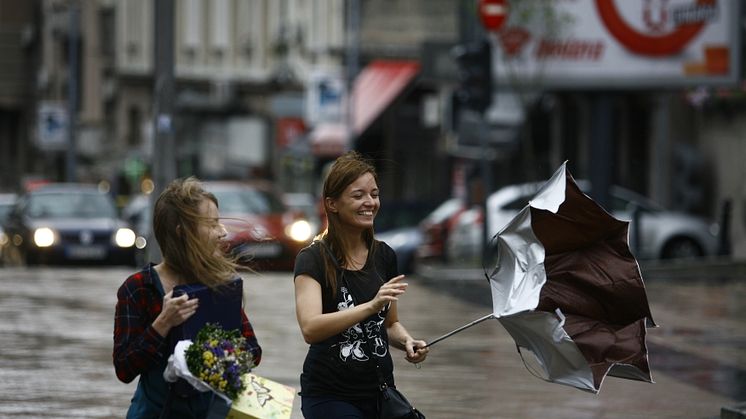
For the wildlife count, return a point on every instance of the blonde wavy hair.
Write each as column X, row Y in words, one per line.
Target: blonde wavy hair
column 176, row 222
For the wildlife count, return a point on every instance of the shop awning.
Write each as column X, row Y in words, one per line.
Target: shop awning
column 375, row 88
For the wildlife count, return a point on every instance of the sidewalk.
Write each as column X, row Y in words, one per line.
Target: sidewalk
column 696, row 355
column 711, row 268
column 700, row 342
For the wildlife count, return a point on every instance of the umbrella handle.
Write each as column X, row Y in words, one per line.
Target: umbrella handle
column 464, row 327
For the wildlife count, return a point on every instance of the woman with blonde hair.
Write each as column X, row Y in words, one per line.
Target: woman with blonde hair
column 187, row 227
column 347, row 287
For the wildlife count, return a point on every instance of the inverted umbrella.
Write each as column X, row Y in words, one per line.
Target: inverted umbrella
column 568, row 289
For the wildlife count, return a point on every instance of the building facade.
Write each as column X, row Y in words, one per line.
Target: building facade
column 241, row 68
column 17, row 37
column 278, row 88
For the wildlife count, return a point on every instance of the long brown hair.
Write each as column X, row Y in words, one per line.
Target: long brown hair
column 176, row 222
column 345, row 170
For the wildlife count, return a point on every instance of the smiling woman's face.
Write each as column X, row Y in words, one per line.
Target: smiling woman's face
column 359, row 203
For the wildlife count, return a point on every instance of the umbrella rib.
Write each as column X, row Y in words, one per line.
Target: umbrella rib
column 464, row 327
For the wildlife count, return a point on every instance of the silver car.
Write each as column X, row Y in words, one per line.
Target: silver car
column 664, row 234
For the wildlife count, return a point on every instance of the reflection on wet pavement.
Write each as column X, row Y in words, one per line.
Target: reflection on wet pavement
column 702, row 335
column 56, row 328
column 707, row 374
column 55, row 360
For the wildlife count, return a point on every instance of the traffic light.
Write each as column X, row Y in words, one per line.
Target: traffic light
column 475, row 75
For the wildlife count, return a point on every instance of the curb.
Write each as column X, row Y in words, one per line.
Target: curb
column 710, row 269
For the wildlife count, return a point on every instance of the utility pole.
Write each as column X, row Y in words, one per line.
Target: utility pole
column 73, row 39
column 474, row 59
column 352, row 52
column 163, row 157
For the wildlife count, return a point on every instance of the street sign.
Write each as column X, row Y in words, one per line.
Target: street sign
column 632, row 44
column 493, row 13
column 52, row 126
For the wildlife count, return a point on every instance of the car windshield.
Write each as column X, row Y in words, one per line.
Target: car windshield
column 625, row 200
column 71, row 205
column 248, row 201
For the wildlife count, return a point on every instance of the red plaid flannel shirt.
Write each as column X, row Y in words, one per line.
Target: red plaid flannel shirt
column 137, row 346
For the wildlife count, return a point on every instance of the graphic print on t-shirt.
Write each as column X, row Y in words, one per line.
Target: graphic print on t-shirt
column 373, row 332
column 353, row 342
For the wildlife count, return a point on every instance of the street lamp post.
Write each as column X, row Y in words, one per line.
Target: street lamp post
column 353, row 52
column 163, row 156
column 72, row 92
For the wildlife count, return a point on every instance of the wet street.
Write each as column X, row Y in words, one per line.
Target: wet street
column 56, row 333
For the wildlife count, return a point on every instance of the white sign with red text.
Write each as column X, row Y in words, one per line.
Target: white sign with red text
column 622, row 44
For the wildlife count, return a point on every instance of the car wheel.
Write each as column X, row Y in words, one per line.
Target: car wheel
column 681, row 248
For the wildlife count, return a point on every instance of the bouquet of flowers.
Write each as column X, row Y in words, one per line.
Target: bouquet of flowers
column 220, row 358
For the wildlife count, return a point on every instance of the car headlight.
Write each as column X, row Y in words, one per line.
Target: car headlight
column 141, row 242
column 44, row 237
column 125, row 237
column 3, row 238
column 299, row 230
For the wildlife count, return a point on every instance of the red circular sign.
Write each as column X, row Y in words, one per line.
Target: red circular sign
column 493, row 13
column 643, row 44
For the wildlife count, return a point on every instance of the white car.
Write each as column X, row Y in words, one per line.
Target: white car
column 664, row 234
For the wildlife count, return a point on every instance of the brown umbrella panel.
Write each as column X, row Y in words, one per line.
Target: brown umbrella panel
column 595, row 281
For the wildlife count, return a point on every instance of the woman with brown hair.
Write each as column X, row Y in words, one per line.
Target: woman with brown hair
column 346, row 290
column 187, row 227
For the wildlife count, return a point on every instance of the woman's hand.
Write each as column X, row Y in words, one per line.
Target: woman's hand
column 174, row 312
column 389, row 292
column 416, row 350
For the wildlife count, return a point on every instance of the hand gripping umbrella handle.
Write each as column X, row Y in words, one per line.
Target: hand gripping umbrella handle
column 464, row 327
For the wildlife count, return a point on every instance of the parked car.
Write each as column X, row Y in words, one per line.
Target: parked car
column 262, row 230
column 664, row 234
column 67, row 222
column 434, row 230
column 7, row 200
column 404, row 241
column 398, row 226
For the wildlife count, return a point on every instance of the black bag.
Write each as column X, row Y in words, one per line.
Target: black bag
column 393, row 405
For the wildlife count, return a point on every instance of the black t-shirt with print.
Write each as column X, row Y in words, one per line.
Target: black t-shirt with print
column 344, row 365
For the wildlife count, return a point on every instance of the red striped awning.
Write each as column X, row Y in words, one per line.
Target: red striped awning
column 375, row 88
